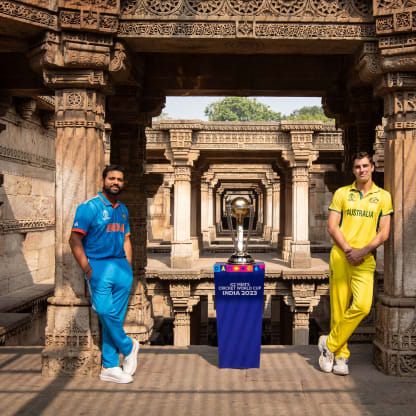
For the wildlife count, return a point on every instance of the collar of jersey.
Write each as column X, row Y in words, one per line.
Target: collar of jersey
column 374, row 188
column 106, row 201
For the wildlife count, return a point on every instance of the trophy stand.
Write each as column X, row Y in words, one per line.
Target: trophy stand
column 240, row 208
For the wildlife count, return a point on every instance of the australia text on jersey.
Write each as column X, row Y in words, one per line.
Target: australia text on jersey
column 352, row 212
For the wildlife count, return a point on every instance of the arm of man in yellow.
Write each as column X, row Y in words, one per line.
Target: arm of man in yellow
column 383, row 234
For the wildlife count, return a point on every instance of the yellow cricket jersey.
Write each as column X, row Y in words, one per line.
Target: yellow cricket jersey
column 360, row 214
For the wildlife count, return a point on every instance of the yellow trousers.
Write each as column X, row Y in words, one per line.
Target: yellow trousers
column 351, row 294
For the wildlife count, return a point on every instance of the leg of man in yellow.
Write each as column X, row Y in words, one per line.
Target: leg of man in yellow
column 348, row 282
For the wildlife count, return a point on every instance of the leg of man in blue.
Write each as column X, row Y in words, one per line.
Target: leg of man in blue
column 110, row 286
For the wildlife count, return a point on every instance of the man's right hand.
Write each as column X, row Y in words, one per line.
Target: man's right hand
column 89, row 273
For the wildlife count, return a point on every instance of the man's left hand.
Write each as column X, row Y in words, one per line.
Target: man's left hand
column 355, row 256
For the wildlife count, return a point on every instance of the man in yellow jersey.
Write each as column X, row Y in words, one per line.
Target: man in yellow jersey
column 359, row 221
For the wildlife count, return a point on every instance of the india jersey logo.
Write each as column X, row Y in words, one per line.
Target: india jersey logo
column 106, row 216
column 124, row 215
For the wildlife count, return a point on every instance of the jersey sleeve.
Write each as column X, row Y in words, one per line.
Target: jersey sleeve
column 83, row 218
column 386, row 204
column 337, row 201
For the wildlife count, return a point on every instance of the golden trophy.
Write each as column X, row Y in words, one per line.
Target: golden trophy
column 240, row 208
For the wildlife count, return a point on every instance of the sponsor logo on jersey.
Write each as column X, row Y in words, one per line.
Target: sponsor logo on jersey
column 106, row 215
column 352, row 212
column 124, row 215
column 76, row 224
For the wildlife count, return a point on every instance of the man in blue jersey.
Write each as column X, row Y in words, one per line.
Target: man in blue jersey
column 100, row 242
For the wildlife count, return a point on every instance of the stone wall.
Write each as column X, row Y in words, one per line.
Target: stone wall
column 27, row 196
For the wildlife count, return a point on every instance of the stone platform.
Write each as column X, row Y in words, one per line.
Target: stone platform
column 187, row 381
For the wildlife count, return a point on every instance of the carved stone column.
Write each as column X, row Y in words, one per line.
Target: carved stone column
column 300, row 159
column 269, row 212
column 182, row 253
column 217, row 211
column 72, row 332
column 183, row 303
column 128, row 144
column 287, row 229
column 260, row 221
column 204, row 213
column 195, row 214
column 167, row 187
column 276, row 213
column 395, row 343
column 211, row 205
column 301, row 303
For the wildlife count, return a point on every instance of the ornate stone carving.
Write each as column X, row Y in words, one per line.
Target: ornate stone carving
column 24, row 226
column 26, row 107
column 295, row 10
column 26, row 158
column 87, row 108
column 28, row 13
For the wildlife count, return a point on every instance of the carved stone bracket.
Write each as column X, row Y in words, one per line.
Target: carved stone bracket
column 183, row 303
column 301, row 301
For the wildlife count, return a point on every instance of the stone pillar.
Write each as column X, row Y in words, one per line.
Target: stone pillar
column 394, row 345
column 183, row 303
column 204, row 214
column 128, row 144
column 269, row 212
column 276, row 213
column 195, row 214
column 217, row 211
column 260, row 216
column 72, row 331
column 301, row 303
column 167, row 186
column 182, row 158
column 287, row 236
column 300, row 159
column 211, row 205
column 182, row 253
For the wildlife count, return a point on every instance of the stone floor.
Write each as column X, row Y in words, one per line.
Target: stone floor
column 187, row 381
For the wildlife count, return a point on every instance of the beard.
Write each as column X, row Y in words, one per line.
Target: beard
column 113, row 190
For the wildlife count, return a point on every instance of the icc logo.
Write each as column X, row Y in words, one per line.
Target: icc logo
column 105, row 215
column 351, row 197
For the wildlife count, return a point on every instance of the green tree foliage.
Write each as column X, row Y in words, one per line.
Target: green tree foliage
column 308, row 113
column 240, row 109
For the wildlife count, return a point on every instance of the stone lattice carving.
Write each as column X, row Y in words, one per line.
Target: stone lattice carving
column 28, row 13
column 26, row 158
column 341, row 9
column 24, row 226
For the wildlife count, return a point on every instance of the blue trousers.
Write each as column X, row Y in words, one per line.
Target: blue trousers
column 110, row 285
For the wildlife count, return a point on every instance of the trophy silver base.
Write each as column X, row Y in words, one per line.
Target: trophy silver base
column 240, row 258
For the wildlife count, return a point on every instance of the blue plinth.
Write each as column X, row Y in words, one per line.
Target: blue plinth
column 239, row 304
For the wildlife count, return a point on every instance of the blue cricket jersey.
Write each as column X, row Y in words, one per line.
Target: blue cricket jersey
column 104, row 227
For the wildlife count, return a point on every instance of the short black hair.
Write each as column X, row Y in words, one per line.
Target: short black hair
column 362, row 155
column 110, row 168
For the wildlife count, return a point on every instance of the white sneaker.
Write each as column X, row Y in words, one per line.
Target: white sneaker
column 130, row 361
column 116, row 375
column 341, row 366
column 326, row 359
